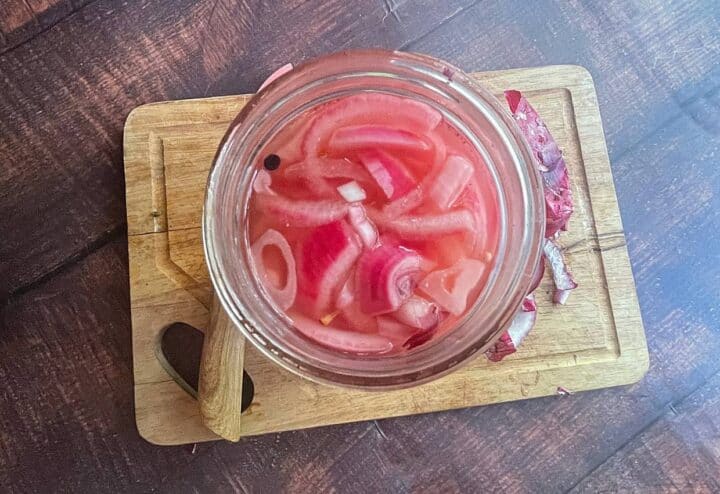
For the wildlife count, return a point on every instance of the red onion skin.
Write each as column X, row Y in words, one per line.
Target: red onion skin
column 521, row 325
column 562, row 277
column 549, row 160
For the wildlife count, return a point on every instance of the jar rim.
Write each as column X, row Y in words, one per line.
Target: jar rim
column 256, row 117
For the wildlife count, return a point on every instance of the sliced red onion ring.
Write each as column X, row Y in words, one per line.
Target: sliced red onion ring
column 323, row 261
column 388, row 172
column 283, row 296
column 368, row 108
column 386, row 276
column 510, row 340
column 275, row 75
column 418, row 313
column 298, row 213
column 338, row 339
column 362, row 225
column 357, row 137
column 564, row 282
column 558, row 196
column 426, row 226
column 452, row 296
column 450, row 181
column 352, row 192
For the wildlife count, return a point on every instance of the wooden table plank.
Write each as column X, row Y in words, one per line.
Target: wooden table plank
column 21, row 20
column 680, row 452
column 97, row 67
column 66, row 420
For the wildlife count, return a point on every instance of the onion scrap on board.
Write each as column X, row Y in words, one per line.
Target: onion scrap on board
column 558, row 208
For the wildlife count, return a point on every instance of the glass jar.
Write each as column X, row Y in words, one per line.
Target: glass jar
column 476, row 113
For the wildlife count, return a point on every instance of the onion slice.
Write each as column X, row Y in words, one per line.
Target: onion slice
column 418, row 313
column 283, row 296
column 394, row 329
column 426, row 226
column 368, row 108
column 323, row 261
column 358, row 320
column 405, row 204
column 451, row 287
column 389, row 173
column 338, row 339
column 328, row 168
column 346, row 295
column 299, row 213
column 358, row 137
column 352, row 192
column 262, row 183
column 450, row 181
column 362, row 225
column 515, row 334
column 386, row 276
column 562, row 277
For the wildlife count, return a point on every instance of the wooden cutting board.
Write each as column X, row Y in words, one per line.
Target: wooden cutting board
column 596, row 340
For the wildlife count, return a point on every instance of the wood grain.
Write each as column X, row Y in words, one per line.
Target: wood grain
column 64, row 96
column 125, row 54
column 596, row 340
column 221, row 375
column 679, row 452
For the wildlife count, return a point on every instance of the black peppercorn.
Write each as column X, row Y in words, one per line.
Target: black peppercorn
column 272, row 162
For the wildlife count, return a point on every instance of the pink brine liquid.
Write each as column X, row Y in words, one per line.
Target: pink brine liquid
column 372, row 223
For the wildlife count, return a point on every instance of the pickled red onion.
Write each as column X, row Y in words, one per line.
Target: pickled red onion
column 301, row 212
column 394, row 330
column 426, row 226
column 328, row 168
column 346, row 295
column 418, row 313
column 368, row 108
column 450, row 181
column 357, row 137
column 283, row 296
column 352, row 192
column 388, row 172
column 338, row 339
column 323, row 261
column 405, row 204
column 358, row 320
column 451, row 287
column 362, row 225
column 262, row 183
column 386, row 276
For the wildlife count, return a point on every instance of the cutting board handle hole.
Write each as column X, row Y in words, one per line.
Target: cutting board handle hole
column 179, row 351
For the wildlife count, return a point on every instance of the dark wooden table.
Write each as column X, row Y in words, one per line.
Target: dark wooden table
column 71, row 71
